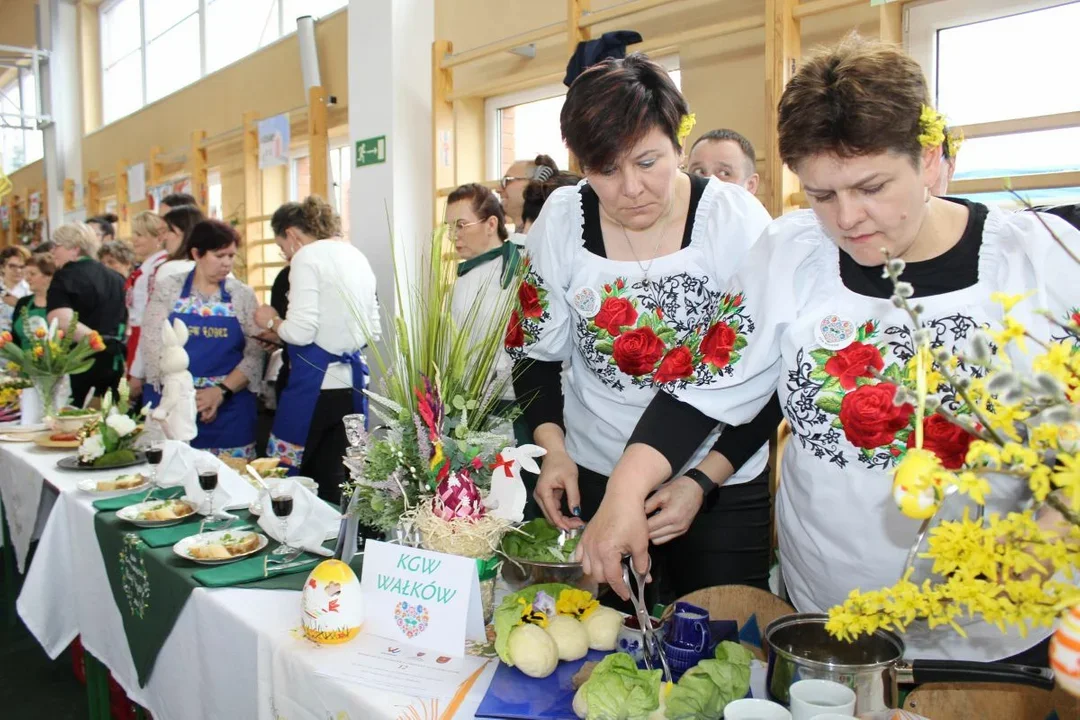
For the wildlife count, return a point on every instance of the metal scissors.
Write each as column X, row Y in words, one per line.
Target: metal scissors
column 652, row 647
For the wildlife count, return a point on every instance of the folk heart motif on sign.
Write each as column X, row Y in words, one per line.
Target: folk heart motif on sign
column 412, row 619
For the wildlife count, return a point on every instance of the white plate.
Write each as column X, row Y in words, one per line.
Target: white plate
column 89, row 485
column 16, row 437
column 207, row 538
column 131, row 514
column 16, row 428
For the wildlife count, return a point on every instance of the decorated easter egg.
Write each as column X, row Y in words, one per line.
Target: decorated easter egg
column 332, row 605
column 458, row 497
column 1065, row 652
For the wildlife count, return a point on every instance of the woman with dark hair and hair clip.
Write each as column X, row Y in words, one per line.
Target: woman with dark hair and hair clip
column 536, row 194
column 179, row 222
column 104, row 226
column 224, row 359
column 512, row 185
column 819, row 328
column 331, row 299
column 623, row 271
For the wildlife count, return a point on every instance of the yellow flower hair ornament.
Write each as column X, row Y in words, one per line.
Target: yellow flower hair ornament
column 954, row 138
column 931, row 127
column 685, row 126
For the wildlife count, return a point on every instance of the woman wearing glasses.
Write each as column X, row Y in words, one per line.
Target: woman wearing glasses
column 12, row 285
column 488, row 262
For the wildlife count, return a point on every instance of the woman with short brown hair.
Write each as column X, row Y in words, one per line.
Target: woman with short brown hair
column 623, row 270
column 820, row 330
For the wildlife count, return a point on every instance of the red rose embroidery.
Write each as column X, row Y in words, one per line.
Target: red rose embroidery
column 636, row 352
column 515, row 335
column 717, row 345
column 615, row 314
column 869, row 327
column 869, row 417
column 677, row 364
column 529, row 299
column 619, row 283
column 737, row 300
column 948, row 441
column 853, row 362
column 1076, row 318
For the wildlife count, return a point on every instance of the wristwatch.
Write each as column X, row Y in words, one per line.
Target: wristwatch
column 271, row 323
column 226, row 391
column 711, row 489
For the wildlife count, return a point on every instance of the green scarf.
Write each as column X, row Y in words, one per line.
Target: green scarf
column 511, row 258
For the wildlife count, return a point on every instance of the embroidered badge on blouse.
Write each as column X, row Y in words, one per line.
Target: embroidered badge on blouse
column 586, row 301
column 835, row 332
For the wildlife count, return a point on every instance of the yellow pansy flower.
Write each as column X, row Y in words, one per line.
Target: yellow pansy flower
column 577, row 603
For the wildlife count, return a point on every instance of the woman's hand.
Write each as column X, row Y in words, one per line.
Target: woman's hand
column 559, row 476
column 678, row 502
column 135, row 387
column 207, row 402
column 264, row 314
column 619, row 528
column 269, row 341
column 10, row 299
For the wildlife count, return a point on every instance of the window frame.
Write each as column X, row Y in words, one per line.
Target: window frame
column 145, row 41
column 17, row 98
column 496, row 103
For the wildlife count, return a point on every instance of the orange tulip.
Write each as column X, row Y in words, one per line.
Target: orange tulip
column 40, row 333
column 96, row 343
column 39, row 352
column 5, row 338
column 59, row 334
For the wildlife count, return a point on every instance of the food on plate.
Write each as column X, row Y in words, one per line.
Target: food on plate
column 617, row 688
column 582, row 676
column 76, row 412
column 123, row 482
column 602, row 628
column 269, row 467
column 227, row 547
column 570, row 637
column 538, row 540
column 534, row 651
column 167, row 510
column 64, row 437
column 561, row 613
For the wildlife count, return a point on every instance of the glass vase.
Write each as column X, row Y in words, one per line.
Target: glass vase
column 50, row 389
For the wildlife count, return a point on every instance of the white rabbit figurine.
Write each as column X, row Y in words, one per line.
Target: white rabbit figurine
column 507, row 496
column 176, row 412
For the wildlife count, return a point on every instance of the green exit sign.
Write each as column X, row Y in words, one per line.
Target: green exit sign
column 371, row 151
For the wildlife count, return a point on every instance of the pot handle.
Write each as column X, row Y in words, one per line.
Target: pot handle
column 921, row 672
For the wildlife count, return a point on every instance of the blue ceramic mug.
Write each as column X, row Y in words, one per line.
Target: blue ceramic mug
column 689, row 628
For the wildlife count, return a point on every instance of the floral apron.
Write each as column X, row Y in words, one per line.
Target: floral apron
column 215, row 347
column 838, row 524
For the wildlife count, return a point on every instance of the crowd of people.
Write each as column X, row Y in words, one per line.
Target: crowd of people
column 665, row 326
column 178, row 265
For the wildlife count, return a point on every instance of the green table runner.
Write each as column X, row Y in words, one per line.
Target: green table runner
column 151, row 584
column 122, row 501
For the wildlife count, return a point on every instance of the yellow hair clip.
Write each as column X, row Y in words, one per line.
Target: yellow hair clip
column 953, row 140
column 685, row 126
column 931, row 127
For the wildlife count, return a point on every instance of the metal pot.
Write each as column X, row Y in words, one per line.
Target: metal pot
column 873, row 666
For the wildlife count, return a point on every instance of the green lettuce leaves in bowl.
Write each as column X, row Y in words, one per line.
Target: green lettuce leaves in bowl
column 538, row 541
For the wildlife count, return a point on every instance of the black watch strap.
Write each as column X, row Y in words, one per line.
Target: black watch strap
column 225, row 390
column 708, row 487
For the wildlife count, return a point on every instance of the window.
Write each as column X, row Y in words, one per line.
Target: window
column 151, row 48
column 20, row 140
column 525, row 124
column 995, row 60
column 340, row 179
column 213, row 193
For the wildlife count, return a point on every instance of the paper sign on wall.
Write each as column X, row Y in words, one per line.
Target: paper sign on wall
column 33, row 209
column 274, row 141
column 420, row 597
column 136, row 182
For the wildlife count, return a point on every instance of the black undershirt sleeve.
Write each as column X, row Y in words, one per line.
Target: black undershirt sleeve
column 538, row 388
column 738, row 444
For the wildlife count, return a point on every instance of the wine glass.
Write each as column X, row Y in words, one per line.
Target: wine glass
column 208, row 481
column 281, row 503
column 153, row 457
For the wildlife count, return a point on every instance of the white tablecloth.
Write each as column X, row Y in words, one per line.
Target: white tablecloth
column 26, row 498
column 233, row 654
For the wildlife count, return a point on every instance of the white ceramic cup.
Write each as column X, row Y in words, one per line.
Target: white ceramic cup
column 815, row 698
column 750, row 709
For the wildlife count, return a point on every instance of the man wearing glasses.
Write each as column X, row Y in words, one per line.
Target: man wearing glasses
column 512, row 185
column 12, row 284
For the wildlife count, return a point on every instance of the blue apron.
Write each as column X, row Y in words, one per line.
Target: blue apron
column 215, row 347
column 307, row 368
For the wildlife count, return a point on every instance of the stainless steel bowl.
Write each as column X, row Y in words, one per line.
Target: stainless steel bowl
column 520, row 573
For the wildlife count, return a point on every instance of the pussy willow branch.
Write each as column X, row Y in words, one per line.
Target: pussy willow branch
column 1067, row 512
column 1038, row 216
